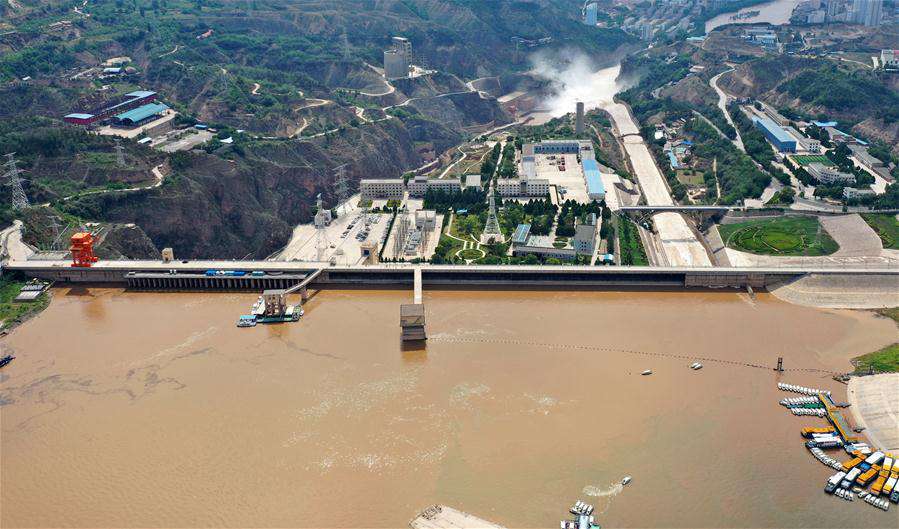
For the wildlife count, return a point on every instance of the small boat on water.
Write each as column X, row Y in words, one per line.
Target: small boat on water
column 626, row 480
column 6, row 359
column 695, row 366
column 647, row 372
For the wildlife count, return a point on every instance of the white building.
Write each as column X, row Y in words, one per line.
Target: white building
column 425, row 219
column 851, row 192
column 584, row 240
column 530, row 187
column 889, row 59
column 803, row 143
column 381, row 188
column 829, row 175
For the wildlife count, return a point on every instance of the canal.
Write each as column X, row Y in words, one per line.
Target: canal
column 137, row 409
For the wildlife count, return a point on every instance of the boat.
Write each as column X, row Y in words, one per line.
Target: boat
column 6, row 359
column 647, row 372
column 626, row 480
column 695, row 366
column 246, row 321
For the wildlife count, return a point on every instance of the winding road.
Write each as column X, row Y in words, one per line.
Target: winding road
column 722, row 104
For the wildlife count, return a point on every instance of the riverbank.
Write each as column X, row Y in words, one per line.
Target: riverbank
column 516, row 394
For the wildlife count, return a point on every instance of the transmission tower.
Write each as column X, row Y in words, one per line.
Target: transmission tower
column 119, row 154
column 341, row 185
column 13, row 180
column 346, row 46
column 322, row 219
column 491, row 233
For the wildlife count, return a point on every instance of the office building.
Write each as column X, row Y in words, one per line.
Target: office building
column 420, row 184
column 525, row 187
column 584, row 240
column 829, row 175
column 381, row 188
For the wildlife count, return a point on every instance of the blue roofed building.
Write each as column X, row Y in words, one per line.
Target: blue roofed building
column 521, row 234
column 140, row 114
column 595, row 188
column 778, row 137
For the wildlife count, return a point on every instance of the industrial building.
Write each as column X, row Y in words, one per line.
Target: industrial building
column 129, row 101
column 525, row 187
column 829, row 175
column 778, row 137
column 140, row 115
column 473, row 181
column 584, row 240
column 382, row 188
column 803, row 143
column 889, row 59
column 596, row 191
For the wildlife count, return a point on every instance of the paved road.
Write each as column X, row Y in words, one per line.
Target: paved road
column 681, row 245
column 722, row 104
column 12, row 245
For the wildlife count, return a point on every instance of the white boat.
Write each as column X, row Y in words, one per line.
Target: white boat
column 695, row 366
column 647, row 372
column 626, row 480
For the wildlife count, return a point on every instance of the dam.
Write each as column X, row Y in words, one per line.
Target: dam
column 258, row 275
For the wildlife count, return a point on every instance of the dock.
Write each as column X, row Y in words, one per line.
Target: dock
column 443, row 517
column 412, row 315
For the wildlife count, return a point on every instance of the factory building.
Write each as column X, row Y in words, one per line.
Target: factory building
column 382, row 188
column 596, row 191
column 129, row 101
column 778, row 137
column 140, row 115
column 803, row 143
column 829, row 175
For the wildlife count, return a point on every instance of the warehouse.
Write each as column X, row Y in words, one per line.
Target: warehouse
column 129, row 101
column 595, row 190
column 778, row 137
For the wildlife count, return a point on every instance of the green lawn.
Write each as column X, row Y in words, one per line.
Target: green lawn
column 9, row 309
column 884, row 361
column 787, row 236
column 470, row 254
column 887, row 227
column 805, row 159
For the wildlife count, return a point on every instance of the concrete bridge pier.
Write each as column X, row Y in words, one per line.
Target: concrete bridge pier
column 412, row 315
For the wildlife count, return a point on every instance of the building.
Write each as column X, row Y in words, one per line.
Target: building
column 596, row 191
column 803, row 143
column 867, row 12
column 381, row 188
column 853, row 193
column 129, row 101
column 425, row 219
column 473, row 181
column 591, row 14
column 140, row 115
column 889, row 59
column 524, row 187
column 778, row 137
column 585, row 232
column 398, row 59
column 421, row 184
column 829, row 175
column 579, row 116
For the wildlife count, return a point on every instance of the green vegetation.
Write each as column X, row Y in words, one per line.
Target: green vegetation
column 738, row 176
column 885, row 360
column 12, row 312
column 785, row 236
column 887, row 228
column 805, row 159
column 632, row 251
column 539, row 213
column 571, row 212
column 444, row 201
column 470, row 254
column 507, row 168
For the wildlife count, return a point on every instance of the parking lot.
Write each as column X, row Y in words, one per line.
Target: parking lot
column 571, row 179
column 345, row 236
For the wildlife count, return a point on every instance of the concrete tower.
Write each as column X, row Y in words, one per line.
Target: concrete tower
column 579, row 118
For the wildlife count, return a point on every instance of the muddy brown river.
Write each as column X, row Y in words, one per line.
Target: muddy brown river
column 127, row 409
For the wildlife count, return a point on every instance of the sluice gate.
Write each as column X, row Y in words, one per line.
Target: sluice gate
column 187, row 282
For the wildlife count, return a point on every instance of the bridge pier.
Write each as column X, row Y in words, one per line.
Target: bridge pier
column 412, row 315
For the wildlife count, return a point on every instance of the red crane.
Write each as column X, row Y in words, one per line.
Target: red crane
column 83, row 249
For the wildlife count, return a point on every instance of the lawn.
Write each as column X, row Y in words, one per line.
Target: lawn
column 885, row 360
column 886, row 226
column 805, row 159
column 787, row 236
column 471, row 254
column 10, row 311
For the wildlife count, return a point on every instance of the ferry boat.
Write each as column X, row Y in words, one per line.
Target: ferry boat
column 647, row 372
column 6, row 359
column 626, row 480
column 292, row 313
column 246, row 321
column 695, row 366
